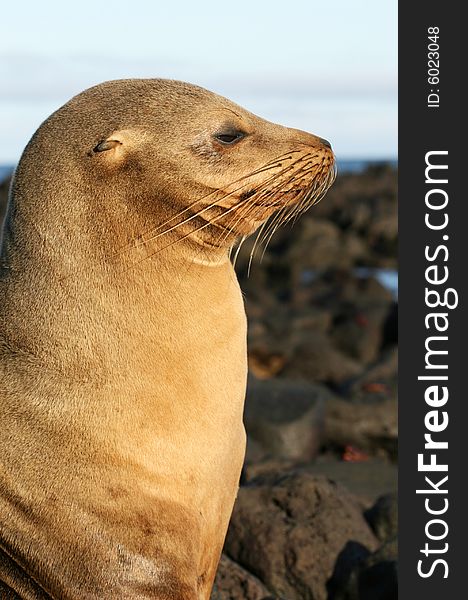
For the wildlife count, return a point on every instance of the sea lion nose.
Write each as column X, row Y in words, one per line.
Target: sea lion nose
column 325, row 142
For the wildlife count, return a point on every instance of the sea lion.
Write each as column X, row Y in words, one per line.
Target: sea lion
column 123, row 335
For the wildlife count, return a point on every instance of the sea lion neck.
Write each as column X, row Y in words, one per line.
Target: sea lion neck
column 71, row 289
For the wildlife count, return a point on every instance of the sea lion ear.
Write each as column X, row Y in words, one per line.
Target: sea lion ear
column 123, row 139
column 107, row 145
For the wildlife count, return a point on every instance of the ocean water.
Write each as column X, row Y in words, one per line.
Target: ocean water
column 358, row 166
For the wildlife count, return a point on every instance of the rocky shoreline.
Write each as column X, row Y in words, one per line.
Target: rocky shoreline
column 316, row 513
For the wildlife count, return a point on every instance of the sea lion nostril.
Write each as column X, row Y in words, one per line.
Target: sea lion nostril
column 325, row 142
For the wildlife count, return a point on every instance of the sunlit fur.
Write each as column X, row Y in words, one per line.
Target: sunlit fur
column 123, row 359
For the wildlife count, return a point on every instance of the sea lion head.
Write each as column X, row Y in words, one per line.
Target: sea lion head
column 180, row 159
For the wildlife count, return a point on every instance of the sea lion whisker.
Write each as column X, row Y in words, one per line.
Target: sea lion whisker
column 255, row 203
column 318, row 194
column 201, row 227
column 271, row 222
column 268, row 191
column 213, row 204
column 252, row 252
column 252, row 203
column 309, row 199
column 282, row 218
column 238, row 250
column 274, row 223
column 259, row 239
column 266, row 167
column 200, row 212
column 216, row 191
column 313, row 197
column 263, row 233
column 251, row 207
column 256, row 243
column 331, row 176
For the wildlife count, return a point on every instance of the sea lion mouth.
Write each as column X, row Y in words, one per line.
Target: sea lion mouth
column 282, row 198
column 281, row 195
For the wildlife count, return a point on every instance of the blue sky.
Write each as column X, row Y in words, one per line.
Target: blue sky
column 326, row 67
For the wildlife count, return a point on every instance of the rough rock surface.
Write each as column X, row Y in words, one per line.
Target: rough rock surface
column 284, row 418
column 383, row 517
column 367, row 480
column 371, row 426
column 315, row 358
column 289, row 532
column 235, row 583
column 375, row 577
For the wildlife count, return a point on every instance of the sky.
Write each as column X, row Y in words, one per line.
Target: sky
column 328, row 67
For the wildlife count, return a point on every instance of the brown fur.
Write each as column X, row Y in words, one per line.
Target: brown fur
column 122, row 337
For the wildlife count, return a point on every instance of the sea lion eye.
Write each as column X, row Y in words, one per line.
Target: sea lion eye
column 229, row 137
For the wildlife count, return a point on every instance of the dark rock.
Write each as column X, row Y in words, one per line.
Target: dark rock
column 315, row 358
column 267, row 339
column 374, row 578
column 365, row 291
column 350, row 558
column 327, row 332
column 340, row 290
column 285, row 418
column 309, row 320
column 320, row 245
column 366, row 480
column 390, row 330
column 289, row 532
column 274, row 335
column 269, row 469
column 235, row 583
column 358, row 331
column 383, row 517
column 370, row 425
column 384, row 372
column 356, row 225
